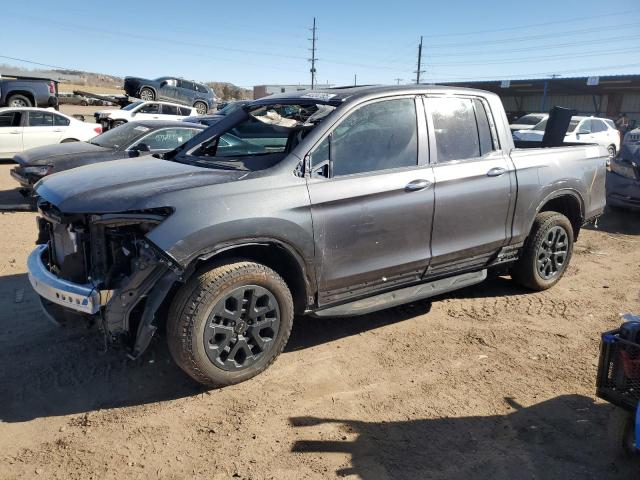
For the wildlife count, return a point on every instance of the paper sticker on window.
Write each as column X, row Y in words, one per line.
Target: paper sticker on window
column 141, row 129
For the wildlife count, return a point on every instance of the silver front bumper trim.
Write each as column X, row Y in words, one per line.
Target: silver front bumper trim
column 80, row 297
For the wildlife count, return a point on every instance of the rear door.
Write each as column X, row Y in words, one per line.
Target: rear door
column 11, row 131
column 41, row 130
column 474, row 183
column 371, row 200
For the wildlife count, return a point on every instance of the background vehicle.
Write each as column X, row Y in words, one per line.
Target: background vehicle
column 177, row 90
column 132, row 139
column 21, row 91
column 24, row 128
column 528, row 121
column 623, row 178
column 142, row 110
column 343, row 213
column 581, row 130
column 72, row 99
column 219, row 115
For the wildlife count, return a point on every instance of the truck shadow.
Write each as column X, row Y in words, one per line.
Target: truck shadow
column 47, row 370
column 565, row 437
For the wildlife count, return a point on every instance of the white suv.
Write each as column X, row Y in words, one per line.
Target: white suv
column 142, row 110
column 581, row 130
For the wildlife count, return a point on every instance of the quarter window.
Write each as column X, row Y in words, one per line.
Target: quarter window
column 378, row 136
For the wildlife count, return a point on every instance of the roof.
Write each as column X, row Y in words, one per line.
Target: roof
column 338, row 95
column 597, row 85
column 166, row 123
column 48, row 109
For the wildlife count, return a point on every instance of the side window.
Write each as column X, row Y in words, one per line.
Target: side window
column 171, row 82
column 598, row 126
column 184, row 111
column 40, row 119
column 170, row 110
column 484, row 128
column 456, row 131
column 10, row 119
column 150, row 108
column 168, row 138
column 378, row 136
column 60, row 121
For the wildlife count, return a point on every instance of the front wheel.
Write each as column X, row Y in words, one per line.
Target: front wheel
column 611, row 150
column 547, row 252
column 229, row 323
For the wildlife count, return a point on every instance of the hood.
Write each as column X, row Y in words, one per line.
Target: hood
column 135, row 184
column 51, row 154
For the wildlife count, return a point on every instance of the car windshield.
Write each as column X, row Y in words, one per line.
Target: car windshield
column 120, row 137
column 133, row 105
column 573, row 124
column 262, row 139
column 232, row 107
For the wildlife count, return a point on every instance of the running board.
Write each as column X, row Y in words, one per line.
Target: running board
column 403, row 295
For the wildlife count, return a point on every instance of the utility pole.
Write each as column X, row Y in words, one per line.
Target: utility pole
column 419, row 71
column 398, row 80
column 313, row 53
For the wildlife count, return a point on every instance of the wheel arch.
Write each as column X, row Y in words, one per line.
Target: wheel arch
column 24, row 93
column 150, row 87
column 275, row 254
column 567, row 202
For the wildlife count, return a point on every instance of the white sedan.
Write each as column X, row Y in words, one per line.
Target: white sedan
column 581, row 130
column 142, row 110
column 23, row 128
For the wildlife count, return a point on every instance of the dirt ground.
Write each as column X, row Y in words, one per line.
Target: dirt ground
column 491, row 382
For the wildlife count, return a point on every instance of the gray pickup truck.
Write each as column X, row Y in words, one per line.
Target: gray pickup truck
column 335, row 202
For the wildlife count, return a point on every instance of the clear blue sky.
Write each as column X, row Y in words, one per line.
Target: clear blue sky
column 256, row 42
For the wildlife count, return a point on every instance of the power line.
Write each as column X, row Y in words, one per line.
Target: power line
column 521, row 27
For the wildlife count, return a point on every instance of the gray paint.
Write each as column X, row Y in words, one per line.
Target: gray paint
column 362, row 233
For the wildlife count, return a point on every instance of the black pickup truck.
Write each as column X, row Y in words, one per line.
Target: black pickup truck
column 18, row 91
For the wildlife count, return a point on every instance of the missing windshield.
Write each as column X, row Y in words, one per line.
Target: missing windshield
column 269, row 131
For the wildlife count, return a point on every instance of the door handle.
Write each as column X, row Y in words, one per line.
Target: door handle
column 15, row 132
column 496, row 172
column 419, row 184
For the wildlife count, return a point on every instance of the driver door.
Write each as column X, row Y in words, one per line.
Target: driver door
column 372, row 200
column 11, row 130
column 150, row 111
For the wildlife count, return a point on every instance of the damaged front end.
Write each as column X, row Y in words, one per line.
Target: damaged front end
column 104, row 269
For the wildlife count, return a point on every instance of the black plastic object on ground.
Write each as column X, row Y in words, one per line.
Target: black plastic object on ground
column 557, row 126
column 619, row 366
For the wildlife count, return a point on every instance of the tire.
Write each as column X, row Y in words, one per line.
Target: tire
column 16, row 101
column 147, row 94
column 201, row 107
column 621, row 433
column 69, row 140
column 84, row 103
column 210, row 334
column 546, row 253
column 117, row 123
column 611, row 149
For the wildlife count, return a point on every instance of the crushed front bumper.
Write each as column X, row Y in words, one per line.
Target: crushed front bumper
column 84, row 298
column 622, row 191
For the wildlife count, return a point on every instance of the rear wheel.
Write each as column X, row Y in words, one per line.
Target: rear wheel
column 230, row 323
column 69, row 140
column 547, row 252
column 611, row 149
column 16, row 101
column 201, row 107
column 147, row 94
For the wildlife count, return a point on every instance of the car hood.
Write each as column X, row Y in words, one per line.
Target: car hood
column 133, row 184
column 52, row 154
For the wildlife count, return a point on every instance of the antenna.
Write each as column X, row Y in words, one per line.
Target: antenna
column 419, row 71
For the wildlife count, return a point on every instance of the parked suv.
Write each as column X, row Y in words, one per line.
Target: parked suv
column 28, row 92
column 141, row 110
column 172, row 89
column 335, row 202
